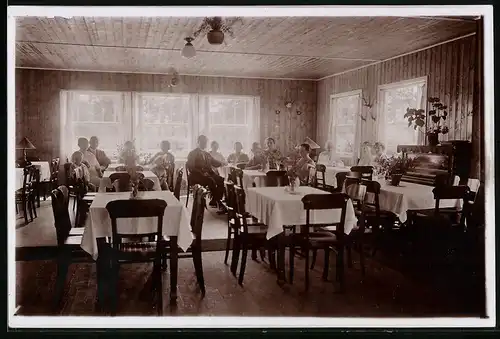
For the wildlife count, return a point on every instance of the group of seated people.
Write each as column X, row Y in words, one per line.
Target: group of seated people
column 89, row 162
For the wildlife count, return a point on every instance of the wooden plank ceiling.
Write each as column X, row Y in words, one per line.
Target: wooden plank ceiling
column 274, row 47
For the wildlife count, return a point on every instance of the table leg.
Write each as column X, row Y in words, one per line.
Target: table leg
column 281, row 258
column 174, row 259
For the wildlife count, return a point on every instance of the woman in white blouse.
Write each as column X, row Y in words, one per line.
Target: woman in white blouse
column 328, row 157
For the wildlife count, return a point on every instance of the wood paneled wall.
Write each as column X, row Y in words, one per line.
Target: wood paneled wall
column 38, row 103
column 450, row 76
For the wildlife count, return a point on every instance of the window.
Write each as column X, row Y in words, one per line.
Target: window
column 163, row 117
column 344, row 111
column 228, row 119
column 94, row 113
column 394, row 99
column 149, row 118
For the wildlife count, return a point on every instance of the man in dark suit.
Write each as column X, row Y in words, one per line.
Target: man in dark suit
column 102, row 159
column 200, row 165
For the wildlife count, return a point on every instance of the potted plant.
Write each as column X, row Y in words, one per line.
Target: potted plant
column 395, row 166
column 437, row 115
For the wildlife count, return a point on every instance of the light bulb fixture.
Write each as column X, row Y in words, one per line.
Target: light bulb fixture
column 188, row 51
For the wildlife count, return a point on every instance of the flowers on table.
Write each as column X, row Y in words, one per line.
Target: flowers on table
column 393, row 167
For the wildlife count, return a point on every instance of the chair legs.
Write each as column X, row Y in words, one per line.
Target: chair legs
column 228, row 243
column 198, row 267
column 326, row 265
column 243, row 262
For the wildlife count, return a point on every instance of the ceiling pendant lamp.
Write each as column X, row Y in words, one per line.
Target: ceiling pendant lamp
column 188, row 51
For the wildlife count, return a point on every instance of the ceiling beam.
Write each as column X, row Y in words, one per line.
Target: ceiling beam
column 202, row 51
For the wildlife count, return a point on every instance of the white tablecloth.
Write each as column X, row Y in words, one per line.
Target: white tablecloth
column 19, row 178
column 253, row 176
column 106, row 182
column 44, row 168
column 331, row 172
column 175, row 220
column 275, row 207
column 407, row 196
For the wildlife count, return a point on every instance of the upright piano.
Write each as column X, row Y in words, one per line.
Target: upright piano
column 439, row 163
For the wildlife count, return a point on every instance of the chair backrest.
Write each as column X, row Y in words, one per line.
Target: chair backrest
column 146, row 184
column 373, row 187
column 136, row 208
column 67, row 174
column 276, row 178
column 62, row 221
column 178, row 182
column 230, row 199
column 170, row 169
column 340, row 178
column 366, row 172
column 327, row 201
column 450, row 192
column 320, row 179
column 236, row 175
column 240, row 212
column 198, row 212
column 121, row 181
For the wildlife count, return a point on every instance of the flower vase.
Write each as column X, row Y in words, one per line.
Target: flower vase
column 433, row 139
column 293, row 183
column 395, row 179
column 135, row 191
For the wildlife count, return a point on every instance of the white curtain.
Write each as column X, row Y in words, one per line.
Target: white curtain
column 255, row 129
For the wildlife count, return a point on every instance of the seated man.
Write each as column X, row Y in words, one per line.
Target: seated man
column 238, row 157
column 257, row 159
column 101, row 157
column 200, row 165
column 90, row 161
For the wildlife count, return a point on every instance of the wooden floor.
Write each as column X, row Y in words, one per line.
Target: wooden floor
column 383, row 292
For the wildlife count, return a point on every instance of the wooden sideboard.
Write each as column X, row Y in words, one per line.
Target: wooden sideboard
column 441, row 162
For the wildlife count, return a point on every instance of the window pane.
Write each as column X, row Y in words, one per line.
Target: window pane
column 164, row 117
column 110, row 135
column 226, row 136
column 396, row 101
column 96, row 107
column 344, row 139
column 346, row 116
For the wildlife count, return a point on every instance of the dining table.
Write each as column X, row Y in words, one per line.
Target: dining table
column 331, row 174
column 408, row 196
column 176, row 226
column 106, row 181
column 277, row 207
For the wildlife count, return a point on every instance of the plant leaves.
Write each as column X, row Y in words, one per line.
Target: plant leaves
column 444, row 107
column 445, row 113
column 435, row 119
column 409, row 123
column 407, row 114
column 415, row 127
column 419, row 123
column 432, row 112
column 444, row 117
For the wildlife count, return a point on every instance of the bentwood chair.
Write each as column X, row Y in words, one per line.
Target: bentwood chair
column 68, row 243
column 315, row 236
column 124, row 251
column 366, row 172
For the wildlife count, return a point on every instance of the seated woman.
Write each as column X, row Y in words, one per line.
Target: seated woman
column 214, row 152
column 90, row 160
column 366, row 157
column 328, row 157
column 304, row 164
column 127, row 152
column 257, row 159
column 272, row 154
column 163, row 161
column 238, row 157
